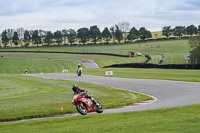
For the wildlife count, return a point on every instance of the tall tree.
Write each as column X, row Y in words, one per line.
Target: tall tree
column 64, row 34
column 15, row 39
column 118, row 33
column 167, row 31
column 106, row 34
column 133, row 34
column 83, row 35
column 5, row 38
column 124, row 27
column 94, row 33
column 198, row 29
column 191, row 30
column 71, row 34
column 144, row 33
column 194, row 42
column 179, row 31
column 27, row 38
column 42, row 33
column 10, row 33
column 49, row 38
column 58, row 37
column 112, row 29
column 36, row 39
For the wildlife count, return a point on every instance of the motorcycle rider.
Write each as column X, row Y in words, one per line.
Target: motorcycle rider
column 82, row 91
column 78, row 68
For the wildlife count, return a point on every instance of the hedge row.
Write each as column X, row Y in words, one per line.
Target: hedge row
column 66, row 53
column 167, row 66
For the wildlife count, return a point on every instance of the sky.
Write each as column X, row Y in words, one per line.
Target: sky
column 52, row 15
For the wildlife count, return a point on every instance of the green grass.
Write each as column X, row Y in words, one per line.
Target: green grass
column 101, row 60
column 149, row 73
column 16, row 66
column 184, row 119
column 173, row 51
column 13, row 65
column 153, row 47
column 22, row 97
column 28, row 97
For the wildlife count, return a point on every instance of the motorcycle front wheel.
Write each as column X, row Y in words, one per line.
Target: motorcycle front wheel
column 81, row 109
column 99, row 108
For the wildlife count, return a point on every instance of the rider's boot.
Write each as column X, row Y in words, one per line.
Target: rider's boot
column 94, row 102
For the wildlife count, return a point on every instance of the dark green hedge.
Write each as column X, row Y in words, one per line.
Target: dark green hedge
column 167, row 66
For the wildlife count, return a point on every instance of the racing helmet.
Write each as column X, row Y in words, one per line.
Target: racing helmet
column 75, row 88
column 79, row 65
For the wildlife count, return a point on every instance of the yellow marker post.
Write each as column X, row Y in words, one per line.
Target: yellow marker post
column 61, row 109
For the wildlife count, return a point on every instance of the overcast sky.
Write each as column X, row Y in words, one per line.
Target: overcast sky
column 52, row 15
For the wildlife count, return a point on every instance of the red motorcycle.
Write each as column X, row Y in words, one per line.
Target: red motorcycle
column 85, row 105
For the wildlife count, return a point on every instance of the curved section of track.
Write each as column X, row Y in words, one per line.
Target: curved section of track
column 168, row 93
column 86, row 63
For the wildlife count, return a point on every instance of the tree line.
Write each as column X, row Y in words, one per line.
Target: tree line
column 180, row 31
column 114, row 34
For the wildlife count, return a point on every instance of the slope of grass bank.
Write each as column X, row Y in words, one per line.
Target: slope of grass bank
column 19, row 65
column 184, row 119
column 101, row 60
column 172, row 50
column 149, row 73
column 16, row 66
column 24, row 97
column 152, row 47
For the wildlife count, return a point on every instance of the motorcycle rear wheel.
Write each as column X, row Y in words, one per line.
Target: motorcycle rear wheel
column 81, row 109
column 79, row 73
column 99, row 108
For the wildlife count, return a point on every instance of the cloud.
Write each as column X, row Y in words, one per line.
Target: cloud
column 64, row 14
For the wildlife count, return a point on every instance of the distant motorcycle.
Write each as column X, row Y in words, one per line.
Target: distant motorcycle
column 85, row 105
column 79, row 71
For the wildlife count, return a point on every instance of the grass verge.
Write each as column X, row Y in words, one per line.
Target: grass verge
column 173, row 51
column 19, row 65
column 149, row 73
column 177, row 119
column 23, row 97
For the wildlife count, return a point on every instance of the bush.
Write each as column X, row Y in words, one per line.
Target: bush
column 195, row 56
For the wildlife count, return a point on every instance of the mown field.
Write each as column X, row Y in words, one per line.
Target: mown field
column 23, row 97
column 27, row 97
column 152, row 47
column 19, row 65
column 173, row 52
column 151, row 73
column 184, row 119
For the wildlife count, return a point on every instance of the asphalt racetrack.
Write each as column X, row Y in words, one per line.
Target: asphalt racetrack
column 165, row 93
